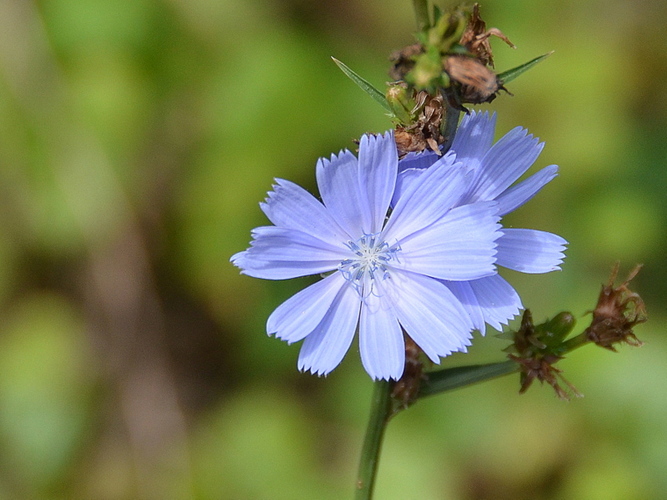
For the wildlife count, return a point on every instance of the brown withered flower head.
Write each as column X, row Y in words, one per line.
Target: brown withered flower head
column 476, row 38
column 533, row 353
column 617, row 312
column 424, row 131
column 402, row 61
column 478, row 83
column 406, row 389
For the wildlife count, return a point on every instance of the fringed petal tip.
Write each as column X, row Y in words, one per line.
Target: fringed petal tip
column 370, row 140
column 317, row 372
column 530, row 251
column 388, row 377
column 520, row 193
column 234, row 259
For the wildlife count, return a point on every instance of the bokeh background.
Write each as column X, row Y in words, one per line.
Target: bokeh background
column 137, row 138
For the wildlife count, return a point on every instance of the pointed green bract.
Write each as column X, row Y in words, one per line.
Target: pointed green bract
column 437, row 13
column 511, row 74
column 364, row 85
column 422, row 14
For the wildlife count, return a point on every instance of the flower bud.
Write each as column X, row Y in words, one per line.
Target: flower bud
column 401, row 102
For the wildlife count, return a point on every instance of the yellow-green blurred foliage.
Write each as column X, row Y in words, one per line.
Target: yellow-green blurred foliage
column 137, row 138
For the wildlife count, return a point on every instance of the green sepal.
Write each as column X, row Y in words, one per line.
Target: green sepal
column 364, row 85
column 455, row 378
column 511, row 74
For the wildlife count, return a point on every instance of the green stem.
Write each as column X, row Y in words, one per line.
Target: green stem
column 370, row 453
column 451, row 123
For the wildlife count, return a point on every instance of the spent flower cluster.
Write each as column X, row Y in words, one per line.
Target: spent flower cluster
column 537, row 348
column 618, row 311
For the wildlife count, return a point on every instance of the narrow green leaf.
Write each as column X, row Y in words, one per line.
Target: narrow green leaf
column 364, row 85
column 454, row 378
column 437, row 14
column 421, row 13
column 511, row 74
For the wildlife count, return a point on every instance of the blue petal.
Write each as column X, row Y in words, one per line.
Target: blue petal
column 429, row 313
column 338, row 182
column 460, row 246
column 358, row 192
column 517, row 195
column 474, row 137
column 427, row 199
column 325, row 347
column 465, row 295
column 295, row 318
column 498, row 299
column 504, row 163
column 381, row 343
column 489, row 300
column 421, row 160
column 530, row 251
column 290, row 206
column 403, row 181
column 279, row 253
column 378, row 168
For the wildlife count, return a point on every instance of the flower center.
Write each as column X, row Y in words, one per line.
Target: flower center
column 370, row 261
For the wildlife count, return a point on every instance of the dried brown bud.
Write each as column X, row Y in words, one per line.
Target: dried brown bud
column 403, row 60
column 618, row 310
column 476, row 38
column 425, row 131
column 406, row 388
column 536, row 360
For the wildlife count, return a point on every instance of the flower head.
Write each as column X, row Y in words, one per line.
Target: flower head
column 535, row 350
column 386, row 272
column 618, row 311
column 495, row 168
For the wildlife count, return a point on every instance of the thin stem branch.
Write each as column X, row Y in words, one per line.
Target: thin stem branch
column 462, row 376
column 574, row 343
column 454, row 378
column 370, row 453
column 451, row 123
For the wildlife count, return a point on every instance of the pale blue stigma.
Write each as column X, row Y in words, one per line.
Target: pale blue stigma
column 370, row 261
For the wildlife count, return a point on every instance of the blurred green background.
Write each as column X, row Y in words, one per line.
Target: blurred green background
column 137, row 138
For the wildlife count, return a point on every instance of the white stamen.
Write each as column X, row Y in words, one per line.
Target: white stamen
column 370, row 262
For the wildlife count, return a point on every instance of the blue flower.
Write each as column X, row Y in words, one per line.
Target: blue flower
column 495, row 167
column 385, row 272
